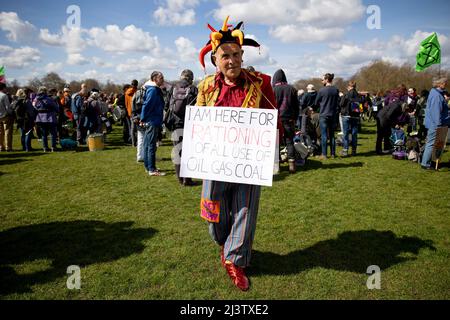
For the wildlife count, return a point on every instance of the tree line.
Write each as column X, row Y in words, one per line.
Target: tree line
column 378, row 76
column 381, row 76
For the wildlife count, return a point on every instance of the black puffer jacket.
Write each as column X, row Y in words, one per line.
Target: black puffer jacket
column 285, row 96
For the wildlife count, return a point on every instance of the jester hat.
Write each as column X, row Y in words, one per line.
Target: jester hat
column 225, row 35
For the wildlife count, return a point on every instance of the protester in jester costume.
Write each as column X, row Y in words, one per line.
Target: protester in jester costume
column 231, row 209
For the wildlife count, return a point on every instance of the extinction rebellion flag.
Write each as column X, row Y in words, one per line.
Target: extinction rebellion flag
column 429, row 53
column 2, row 74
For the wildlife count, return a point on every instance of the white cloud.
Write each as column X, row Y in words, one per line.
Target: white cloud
column 295, row 20
column 131, row 38
column 51, row 39
column 257, row 56
column 186, row 49
column 345, row 59
column 176, row 12
column 146, row 65
column 18, row 58
column 53, row 67
column 295, row 33
column 101, row 62
column 70, row 38
column 76, row 59
column 17, row 29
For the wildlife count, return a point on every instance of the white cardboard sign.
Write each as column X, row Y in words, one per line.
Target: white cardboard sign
column 229, row 144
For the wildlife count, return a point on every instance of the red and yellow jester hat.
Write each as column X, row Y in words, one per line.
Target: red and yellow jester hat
column 225, row 35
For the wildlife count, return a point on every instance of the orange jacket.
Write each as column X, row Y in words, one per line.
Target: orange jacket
column 129, row 99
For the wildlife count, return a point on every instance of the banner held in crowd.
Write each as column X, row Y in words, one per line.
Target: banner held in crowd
column 429, row 53
column 229, row 144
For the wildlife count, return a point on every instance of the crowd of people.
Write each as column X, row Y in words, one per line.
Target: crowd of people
column 309, row 116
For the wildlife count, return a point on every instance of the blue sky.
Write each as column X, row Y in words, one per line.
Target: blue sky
column 120, row 41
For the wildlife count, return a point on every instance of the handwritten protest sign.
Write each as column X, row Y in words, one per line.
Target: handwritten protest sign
column 229, row 144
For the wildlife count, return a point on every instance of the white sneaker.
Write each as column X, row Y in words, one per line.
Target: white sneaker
column 156, row 173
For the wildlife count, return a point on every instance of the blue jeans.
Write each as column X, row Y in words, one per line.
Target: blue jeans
column 431, row 137
column 46, row 129
column 150, row 139
column 327, row 126
column 350, row 125
column 25, row 139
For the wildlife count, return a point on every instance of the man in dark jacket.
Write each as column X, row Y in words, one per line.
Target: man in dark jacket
column 288, row 108
column 309, row 99
column 182, row 94
column 387, row 118
column 350, row 113
column 328, row 100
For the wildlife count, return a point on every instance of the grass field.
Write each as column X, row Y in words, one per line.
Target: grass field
column 141, row 237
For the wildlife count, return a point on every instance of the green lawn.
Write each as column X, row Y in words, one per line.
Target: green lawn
column 141, row 237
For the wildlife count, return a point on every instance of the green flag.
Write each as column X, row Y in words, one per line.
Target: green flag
column 429, row 53
column 2, row 74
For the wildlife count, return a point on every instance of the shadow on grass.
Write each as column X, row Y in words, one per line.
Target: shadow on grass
column 11, row 161
column 327, row 165
column 352, row 251
column 31, row 154
column 64, row 244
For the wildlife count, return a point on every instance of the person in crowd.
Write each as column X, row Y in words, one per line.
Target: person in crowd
column 436, row 115
column 6, row 121
column 288, row 108
column 129, row 94
column 136, row 109
column 93, row 113
column 25, row 116
column 398, row 94
column 152, row 118
column 350, row 113
column 47, row 109
column 420, row 112
column 411, row 101
column 183, row 94
column 79, row 109
column 310, row 126
column 121, row 103
column 232, row 208
column 390, row 116
column 300, row 96
column 328, row 100
column 309, row 99
column 377, row 105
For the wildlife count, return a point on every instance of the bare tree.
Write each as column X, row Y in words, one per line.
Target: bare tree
column 53, row 81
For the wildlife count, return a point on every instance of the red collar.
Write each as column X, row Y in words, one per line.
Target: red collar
column 220, row 80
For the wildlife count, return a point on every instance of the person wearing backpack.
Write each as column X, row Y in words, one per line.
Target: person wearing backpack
column 6, row 120
column 350, row 113
column 183, row 93
column 136, row 109
column 25, row 115
column 79, row 110
column 47, row 109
